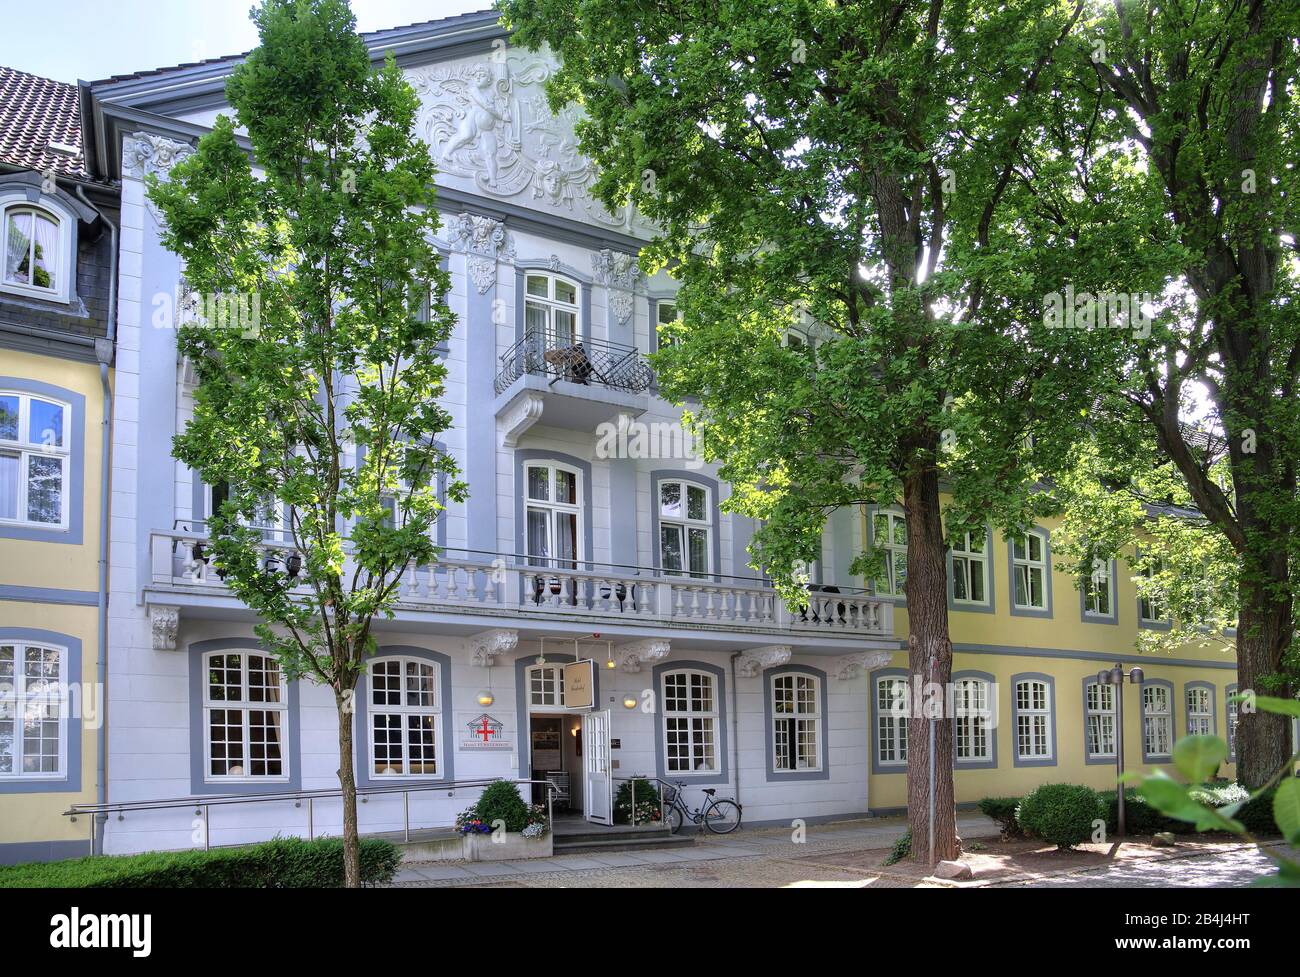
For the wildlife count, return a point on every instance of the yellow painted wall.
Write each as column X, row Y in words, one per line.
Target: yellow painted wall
column 37, row 817
column 1009, row 647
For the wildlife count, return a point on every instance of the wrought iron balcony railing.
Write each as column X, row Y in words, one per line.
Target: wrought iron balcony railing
column 584, row 361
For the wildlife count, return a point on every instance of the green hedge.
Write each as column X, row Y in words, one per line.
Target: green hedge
column 1140, row 818
column 285, row 863
column 1003, row 811
column 1257, row 815
column 1060, row 813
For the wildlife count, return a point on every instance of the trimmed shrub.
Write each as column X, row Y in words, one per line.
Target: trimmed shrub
column 1257, row 815
column 1140, row 818
column 285, row 863
column 501, row 800
column 1003, row 811
column 648, row 809
column 1060, row 813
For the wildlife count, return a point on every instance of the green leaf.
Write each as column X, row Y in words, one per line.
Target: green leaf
column 1282, row 707
column 1286, row 809
column 1198, row 757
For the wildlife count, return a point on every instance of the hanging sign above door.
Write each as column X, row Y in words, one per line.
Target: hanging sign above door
column 580, row 684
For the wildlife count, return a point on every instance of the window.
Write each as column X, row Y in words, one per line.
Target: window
column 1157, row 722
column 972, row 714
column 269, row 516
column 1099, row 590
column 684, row 528
column 970, row 567
column 889, row 534
column 1151, row 608
column 1233, row 715
column 553, row 515
column 546, row 686
column 34, row 460
column 892, row 712
column 1200, row 710
column 244, row 714
column 1033, row 720
column 796, row 722
column 35, row 241
column 1029, row 572
column 1099, row 713
column 405, row 706
column 33, row 725
column 690, row 722
column 551, row 310
column 665, row 314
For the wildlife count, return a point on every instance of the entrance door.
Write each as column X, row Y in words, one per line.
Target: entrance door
column 598, row 792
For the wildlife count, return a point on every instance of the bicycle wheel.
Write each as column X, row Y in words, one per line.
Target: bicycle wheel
column 674, row 820
column 723, row 817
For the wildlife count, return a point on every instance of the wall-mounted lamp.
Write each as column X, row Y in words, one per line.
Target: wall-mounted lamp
column 629, row 702
column 486, row 698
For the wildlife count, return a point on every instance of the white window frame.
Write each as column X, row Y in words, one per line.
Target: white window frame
column 551, row 508
column 1029, row 565
column 276, row 529
column 1097, row 712
column 660, row 320
column 963, row 560
column 892, row 715
column 806, row 721
column 1098, row 584
column 684, row 524
column 550, row 304
column 16, row 701
column 405, row 710
column 1232, row 714
column 1200, row 721
column 245, row 706
column 63, row 262
column 691, row 715
column 1151, row 605
column 1152, row 717
column 972, row 715
column 26, row 450
column 1039, row 719
column 555, row 671
column 892, row 586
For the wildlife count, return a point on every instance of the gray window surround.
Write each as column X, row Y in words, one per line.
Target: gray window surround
column 1088, row 758
column 899, row 600
column 1017, row 759
column 71, row 779
column 775, row 776
column 522, row 664
column 1165, row 624
column 26, row 189
column 991, row 724
column 877, row 767
column 292, row 747
column 720, row 744
column 76, row 435
column 525, row 455
column 1044, row 612
column 1214, row 705
column 1173, row 721
column 445, row 747
column 704, row 481
column 1228, row 692
column 543, row 265
column 990, row 605
column 1088, row 617
column 652, row 304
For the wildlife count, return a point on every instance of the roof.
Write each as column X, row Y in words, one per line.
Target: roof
column 35, row 112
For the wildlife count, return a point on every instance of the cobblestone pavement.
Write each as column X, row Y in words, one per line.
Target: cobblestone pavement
column 762, row 858
column 1212, row 870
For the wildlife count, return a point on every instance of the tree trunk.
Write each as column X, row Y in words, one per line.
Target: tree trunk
column 348, row 784
column 929, row 663
column 1263, row 633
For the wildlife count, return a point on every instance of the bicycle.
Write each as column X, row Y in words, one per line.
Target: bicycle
column 719, row 816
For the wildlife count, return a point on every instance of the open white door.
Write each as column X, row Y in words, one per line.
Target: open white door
column 598, row 792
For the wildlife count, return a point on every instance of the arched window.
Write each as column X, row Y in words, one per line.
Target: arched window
column 685, row 528
column 690, row 711
column 551, row 310
column 244, row 716
column 34, row 243
column 1034, row 722
column 797, row 728
column 33, row 722
column 972, row 717
column 405, row 708
column 1157, row 720
column 1099, row 715
column 892, row 709
column 34, row 460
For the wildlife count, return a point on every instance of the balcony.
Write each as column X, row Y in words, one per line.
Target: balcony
column 575, row 383
column 607, row 599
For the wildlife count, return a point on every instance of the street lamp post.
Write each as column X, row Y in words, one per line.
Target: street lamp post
column 1115, row 676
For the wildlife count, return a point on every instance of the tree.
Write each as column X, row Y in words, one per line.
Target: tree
column 858, row 167
column 326, row 406
column 1187, row 124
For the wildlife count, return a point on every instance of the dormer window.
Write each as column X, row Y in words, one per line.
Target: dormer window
column 35, row 251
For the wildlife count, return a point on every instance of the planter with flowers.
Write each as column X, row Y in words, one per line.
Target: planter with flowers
column 501, row 826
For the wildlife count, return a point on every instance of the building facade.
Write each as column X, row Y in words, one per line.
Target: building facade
column 590, row 533
column 56, row 354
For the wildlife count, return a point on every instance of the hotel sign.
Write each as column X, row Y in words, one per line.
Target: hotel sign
column 580, row 684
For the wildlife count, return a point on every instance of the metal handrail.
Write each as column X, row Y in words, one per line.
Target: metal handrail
column 202, row 804
column 663, row 810
column 578, row 359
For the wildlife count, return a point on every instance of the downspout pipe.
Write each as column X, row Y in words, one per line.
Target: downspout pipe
column 104, row 355
column 735, row 728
